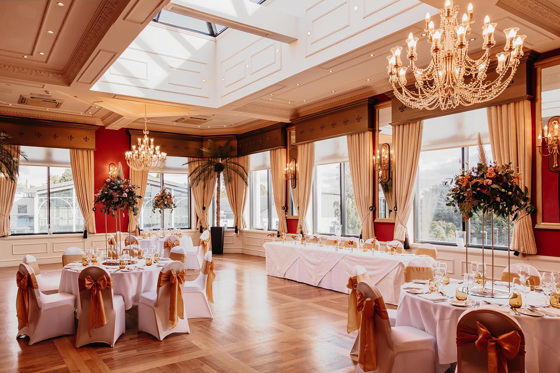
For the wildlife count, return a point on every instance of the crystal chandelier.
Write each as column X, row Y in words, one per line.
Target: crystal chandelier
column 453, row 78
column 147, row 157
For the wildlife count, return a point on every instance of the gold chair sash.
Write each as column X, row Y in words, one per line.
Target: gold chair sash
column 353, row 314
column 69, row 258
column 368, row 246
column 204, row 244
column 533, row 280
column 168, row 244
column 426, row 251
column 178, row 257
column 24, row 282
column 176, row 307
column 350, row 244
column 331, row 242
column 130, row 240
column 111, row 241
column 208, row 269
column 367, row 355
column 412, row 273
column 500, row 349
column 97, row 314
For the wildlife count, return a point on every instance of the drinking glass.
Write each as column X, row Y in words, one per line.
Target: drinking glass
column 85, row 260
column 481, row 273
column 361, row 243
column 523, row 272
column 148, row 260
column 474, row 268
column 337, row 230
column 461, row 293
column 460, row 239
column 122, row 263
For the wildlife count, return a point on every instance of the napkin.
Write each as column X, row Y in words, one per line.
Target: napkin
column 434, row 297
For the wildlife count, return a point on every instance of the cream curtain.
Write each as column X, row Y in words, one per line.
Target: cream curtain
column 236, row 191
column 82, row 173
column 139, row 178
column 202, row 197
column 7, row 194
column 277, row 166
column 302, row 193
column 407, row 140
column 510, row 139
column 360, row 150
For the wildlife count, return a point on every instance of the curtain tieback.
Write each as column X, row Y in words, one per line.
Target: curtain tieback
column 176, row 307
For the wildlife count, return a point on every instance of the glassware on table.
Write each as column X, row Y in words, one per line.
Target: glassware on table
column 148, row 260
column 555, row 298
column 85, row 260
column 461, row 293
column 474, row 268
column 361, row 244
column 460, row 239
column 140, row 253
column 481, row 273
column 433, row 285
column 523, row 272
column 156, row 257
column 321, row 242
column 122, row 263
column 337, row 230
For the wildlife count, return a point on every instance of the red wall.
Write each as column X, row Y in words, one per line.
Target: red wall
column 110, row 147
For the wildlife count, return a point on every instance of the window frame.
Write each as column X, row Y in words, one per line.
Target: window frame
column 269, row 200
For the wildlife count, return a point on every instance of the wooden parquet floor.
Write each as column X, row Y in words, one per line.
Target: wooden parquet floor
column 261, row 324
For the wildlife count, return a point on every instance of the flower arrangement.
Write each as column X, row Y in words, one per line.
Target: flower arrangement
column 163, row 201
column 117, row 194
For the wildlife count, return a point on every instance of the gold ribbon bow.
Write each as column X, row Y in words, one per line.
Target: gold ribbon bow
column 129, row 241
column 204, row 244
column 24, row 282
column 111, row 241
column 176, row 307
column 500, row 349
column 353, row 314
column 367, row 356
column 208, row 269
column 168, row 244
column 97, row 315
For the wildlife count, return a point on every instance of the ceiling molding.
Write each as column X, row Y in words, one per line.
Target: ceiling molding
column 31, row 74
column 266, row 112
column 540, row 13
column 51, row 116
column 331, row 103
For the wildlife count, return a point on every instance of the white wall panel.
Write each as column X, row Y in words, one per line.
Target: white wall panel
column 24, row 248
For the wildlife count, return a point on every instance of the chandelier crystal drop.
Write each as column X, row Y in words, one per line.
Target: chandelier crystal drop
column 147, row 156
column 453, row 78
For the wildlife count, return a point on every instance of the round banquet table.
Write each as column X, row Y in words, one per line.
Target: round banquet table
column 440, row 320
column 129, row 282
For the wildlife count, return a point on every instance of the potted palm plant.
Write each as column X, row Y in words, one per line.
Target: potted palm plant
column 218, row 160
column 9, row 158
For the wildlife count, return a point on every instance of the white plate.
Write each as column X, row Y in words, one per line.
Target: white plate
column 458, row 303
column 415, row 291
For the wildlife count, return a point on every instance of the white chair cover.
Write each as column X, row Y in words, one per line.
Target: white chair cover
column 48, row 284
column 195, row 254
column 427, row 249
column 194, row 294
column 114, row 310
column 179, row 254
column 72, row 254
column 49, row 316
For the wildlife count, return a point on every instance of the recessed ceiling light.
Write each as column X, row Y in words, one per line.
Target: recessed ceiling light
column 24, row 56
column 10, row 104
column 330, row 71
column 371, row 54
column 60, row 4
column 473, row 39
column 272, row 94
column 42, row 53
column 297, row 84
column 333, row 91
column 368, row 79
column 81, row 113
column 50, row 32
column 223, row 79
column 289, row 102
column 247, row 66
column 423, row 34
column 355, row 7
column 308, row 33
column 277, row 50
column 269, row 99
column 48, row 109
column 203, row 80
column 304, row 100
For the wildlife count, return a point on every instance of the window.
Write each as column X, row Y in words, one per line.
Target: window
column 434, row 221
column 170, row 18
column 45, row 198
column 262, row 211
column 226, row 213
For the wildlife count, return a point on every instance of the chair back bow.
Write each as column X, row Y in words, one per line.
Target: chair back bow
column 353, row 314
column 130, row 240
column 367, row 356
column 170, row 242
column 499, row 349
column 111, row 241
column 208, row 270
column 179, row 257
column 412, row 273
column 24, row 283
column 97, row 314
column 204, row 244
column 174, row 279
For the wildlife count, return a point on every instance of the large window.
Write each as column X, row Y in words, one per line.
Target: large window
column 433, row 220
column 262, row 212
column 45, row 199
column 226, row 213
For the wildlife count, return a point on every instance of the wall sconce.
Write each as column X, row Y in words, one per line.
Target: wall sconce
column 290, row 172
column 549, row 143
column 112, row 170
column 382, row 163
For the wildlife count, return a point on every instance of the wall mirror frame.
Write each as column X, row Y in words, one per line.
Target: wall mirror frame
column 383, row 212
column 543, row 111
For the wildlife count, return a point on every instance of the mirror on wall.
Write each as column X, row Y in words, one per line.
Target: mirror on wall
column 384, row 163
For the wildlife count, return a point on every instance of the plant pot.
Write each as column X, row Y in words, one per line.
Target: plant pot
column 217, row 235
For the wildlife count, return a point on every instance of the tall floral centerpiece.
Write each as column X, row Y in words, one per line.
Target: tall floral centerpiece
column 163, row 201
column 489, row 189
column 116, row 196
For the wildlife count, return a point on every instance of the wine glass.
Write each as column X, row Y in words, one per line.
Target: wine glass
column 361, row 242
column 523, row 272
column 481, row 273
column 474, row 268
column 460, row 239
column 515, row 298
column 547, row 283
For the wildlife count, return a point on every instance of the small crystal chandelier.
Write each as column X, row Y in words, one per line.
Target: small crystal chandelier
column 147, row 157
column 452, row 77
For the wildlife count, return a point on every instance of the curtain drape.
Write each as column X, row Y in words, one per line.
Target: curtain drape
column 510, row 139
column 407, row 140
column 360, row 150
column 139, row 178
column 277, row 166
column 7, row 194
column 236, row 191
column 302, row 193
column 202, row 196
column 81, row 162
column 389, row 193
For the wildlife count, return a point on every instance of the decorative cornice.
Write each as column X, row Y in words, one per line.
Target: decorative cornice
column 540, row 13
column 339, row 101
column 278, row 113
column 28, row 73
column 33, row 114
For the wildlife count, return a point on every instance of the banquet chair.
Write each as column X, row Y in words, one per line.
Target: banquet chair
column 130, row 240
column 131, row 250
column 382, row 348
column 178, row 254
column 72, row 254
column 374, row 244
column 47, row 284
column 41, row 316
column 198, row 293
column 204, row 243
column 101, row 315
column 475, row 332
column 534, row 275
column 418, row 269
column 350, row 244
column 194, row 255
column 395, row 245
column 163, row 312
column 168, row 243
column 111, row 241
column 427, row 249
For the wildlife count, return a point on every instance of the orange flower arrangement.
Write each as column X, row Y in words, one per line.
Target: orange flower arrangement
column 163, row 201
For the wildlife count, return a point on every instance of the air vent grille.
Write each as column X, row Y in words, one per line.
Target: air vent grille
column 42, row 101
column 192, row 120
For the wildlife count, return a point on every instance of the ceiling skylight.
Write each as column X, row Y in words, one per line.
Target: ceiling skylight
column 189, row 23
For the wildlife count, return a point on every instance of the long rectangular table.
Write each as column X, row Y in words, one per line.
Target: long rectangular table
column 329, row 269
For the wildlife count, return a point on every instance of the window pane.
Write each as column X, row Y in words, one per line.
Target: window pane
column 259, row 199
column 29, row 211
column 226, row 213
column 66, row 215
column 436, row 222
column 149, row 219
column 328, row 207
column 177, row 185
column 274, row 215
column 179, row 20
column 352, row 223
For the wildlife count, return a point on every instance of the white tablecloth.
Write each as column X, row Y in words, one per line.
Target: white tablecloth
column 326, row 268
column 129, row 284
column 157, row 243
column 440, row 320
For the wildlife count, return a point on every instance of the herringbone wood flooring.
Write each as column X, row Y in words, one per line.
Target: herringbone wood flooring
column 261, row 324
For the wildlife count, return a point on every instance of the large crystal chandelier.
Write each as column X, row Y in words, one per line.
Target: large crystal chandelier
column 452, row 77
column 147, row 156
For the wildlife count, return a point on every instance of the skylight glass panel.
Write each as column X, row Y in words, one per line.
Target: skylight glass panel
column 220, row 29
column 182, row 21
